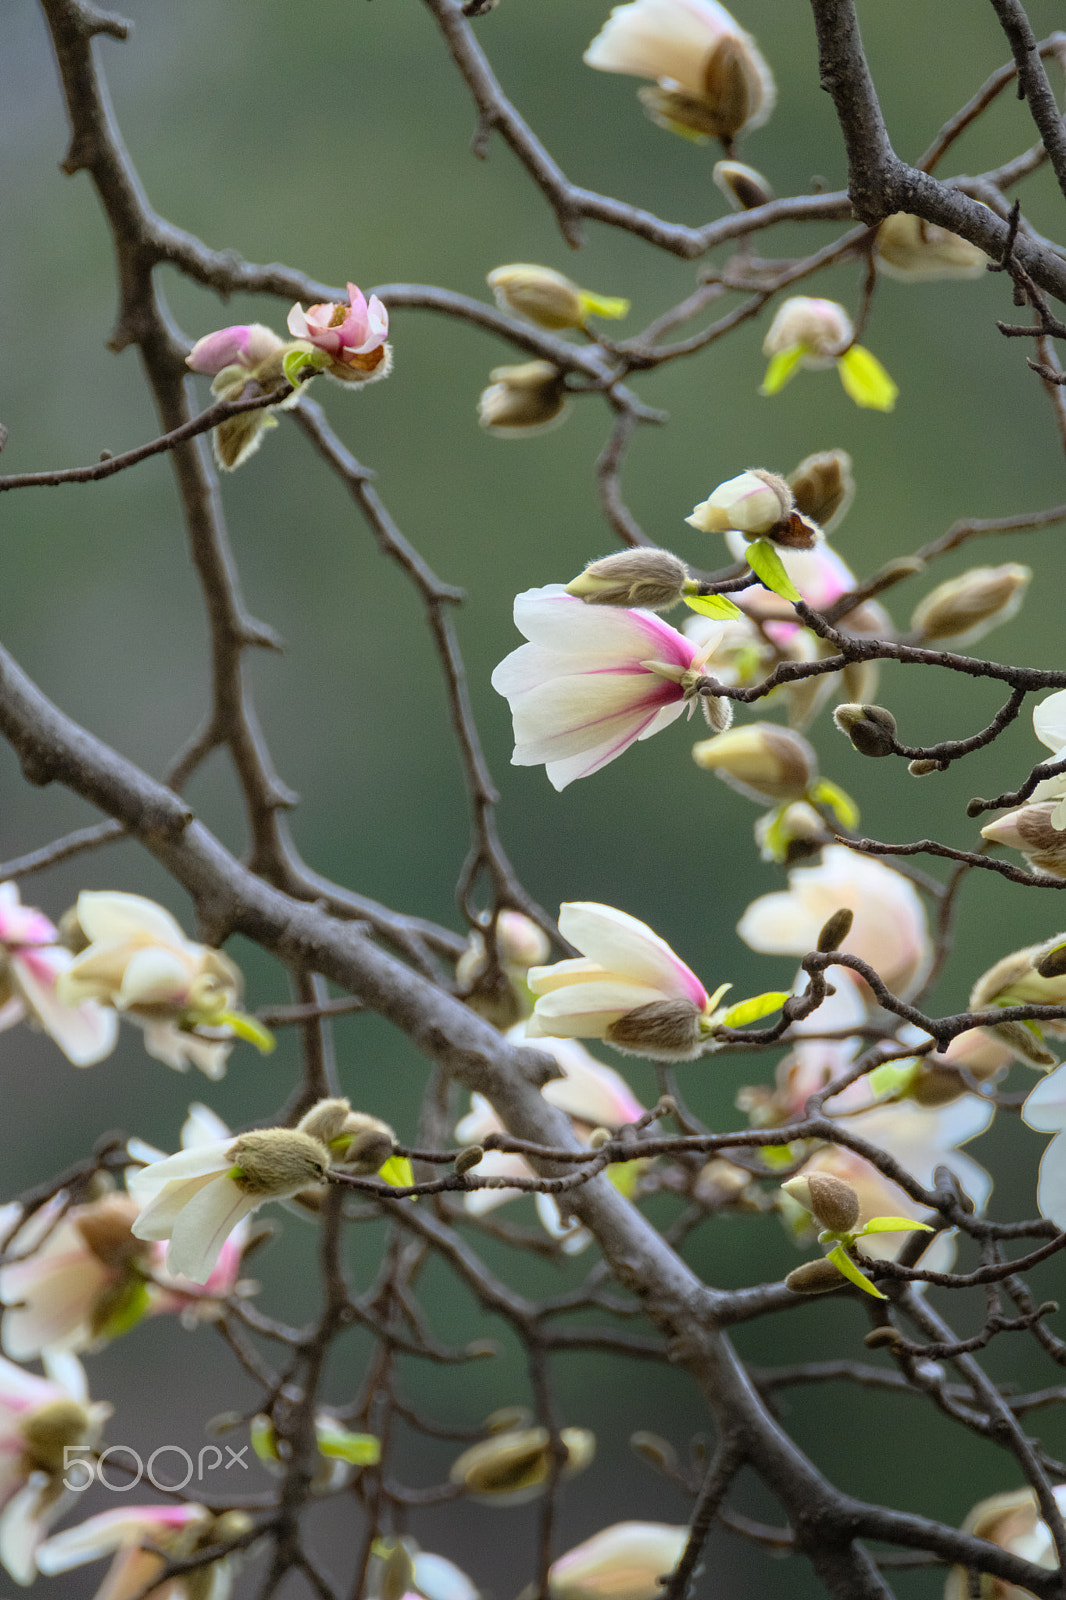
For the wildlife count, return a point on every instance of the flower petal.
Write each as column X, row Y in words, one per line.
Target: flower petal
column 622, row 944
column 203, row 1226
column 108, row 915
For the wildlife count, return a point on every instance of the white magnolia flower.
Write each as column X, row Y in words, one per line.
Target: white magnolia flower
column 1049, row 724
column 1045, row 1110
column 31, row 966
column 628, row 987
column 591, row 681
column 622, row 1562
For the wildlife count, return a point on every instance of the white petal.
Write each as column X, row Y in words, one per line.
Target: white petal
column 22, row 1527
column 203, row 1227
column 85, row 1032
column 1049, row 721
column 624, row 945
column 203, row 1126
column 573, row 715
column 158, row 1218
column 112, row 917
column 587, row 1010
column 779, row 925
column 1045, row 1108
column 1051, row 1185
column 661, row 39
column 571, row 1235
column 64, row 1368
column 58, row 1302
column 154, row 977
column 562, row 623
column 201, row 1160
column 439, row 1579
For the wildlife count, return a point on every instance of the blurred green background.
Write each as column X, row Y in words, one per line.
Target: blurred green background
column 335, row 136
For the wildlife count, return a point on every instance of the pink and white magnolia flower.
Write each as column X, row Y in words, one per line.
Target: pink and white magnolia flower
column 889, row 932
column 175, row 1530
column 41, row 1421
column 351, row 335
column 591, row 681
column 623, row 1562
column 31, row 965
column 246, row 345
column 627, row 987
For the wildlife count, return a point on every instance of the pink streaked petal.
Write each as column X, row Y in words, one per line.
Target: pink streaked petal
column 622, row 944
column 573, row 715
column 663, row 718
column 558, row 621
column 203, row 1225
column 22, row 1391
column 102, row 1535
column 85, row 1033
column 561, row 773
column 590, row 1091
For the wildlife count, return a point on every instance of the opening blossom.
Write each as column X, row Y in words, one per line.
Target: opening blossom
column 813, row 333
column 350, row 337
column 31, row 964
column 138, row 961
column 175, row 1531
column 592, row 681
column 712, row 80
column 627, row 987
column 245, row 357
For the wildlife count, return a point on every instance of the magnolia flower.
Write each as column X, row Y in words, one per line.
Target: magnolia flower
column 627, row 987
column 399, row 1567
column 248, row 354
column 591, row 681
column 1016, row 980
column 139, row 961
column 41, row 1421
column 889, row 930
column 1049, row 724
column 515, row 1466
column 712, row 81
column 351, row 337
column 196, row 1198
column 622, row 1562
column 1013, row 1522
column 818, row 333
column 520, row 944
column 246, row 346
column 141, row 1539
column 912, row 249
column 31, row 964
column 85, row 1283
column 1045, row 1110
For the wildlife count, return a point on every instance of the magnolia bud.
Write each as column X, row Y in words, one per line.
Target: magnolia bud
column 51, row 1432
column 278, row 1161
column 911, row 248
column 823, row 486
column 665, row 1030
column 831, row 1200
column 822, row 328
column 762, row 760
column 1031, row 830
column 871, row 729
column 737, row 93
column 935, row 1085
column 1053, row 965
column 325, row 1120
column 753, row 504
column 469, row 1158
column 548, row 298
column 522, row 400
column 511, row 1468
column 835, row 930
column 790, row 836
column 1016, row 980
column 965, row 608
column 923, row 767
column 879, row 1338
column 742, row 186
column 654, row 579
column 659, row 1453
column 814, row 1277
column 105, row 1226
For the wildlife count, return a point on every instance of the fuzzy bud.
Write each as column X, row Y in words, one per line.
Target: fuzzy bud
column 278, row 1161
column 835, row 930
column 548, row 298
column 742, row 186
column 468, row 1158
column 814, row 1277
column 1031, row 830
column 522, row 400
column 49, row 1432
column 1053, row 965
column 754, row 504
column 871, row 729
column 665, row 1030
column 965, row 608
column 883, row 1337
column 830, row 1199
column 325, row 1120
column 821, row 328
column 654, row 579
column 823, row 486
column 922, row 767
column 762, row 760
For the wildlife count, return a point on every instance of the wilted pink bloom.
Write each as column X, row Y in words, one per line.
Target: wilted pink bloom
column 177, row 1530
column 889, row 932
column 590, row 682
column 44, row 1422
column 628, row 987
column 30, row 964
column 246, row 345
column 353, row 335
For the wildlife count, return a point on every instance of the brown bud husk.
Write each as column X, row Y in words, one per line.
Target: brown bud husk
column 743, row 187
column 1031, row 830
column 833, row 1201
column 835, row 930
column 654, row 579
column 105, row 1226
column 871, row 729
column 523, row 400
column 665, row 1030
column 823, row 486
column 1053, row 965
column 469, row 1158
column 814, row 1277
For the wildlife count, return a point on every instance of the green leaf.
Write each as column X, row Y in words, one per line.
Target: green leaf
column 781, row 369
column 780, row 1155
column 125, row 1311
column 865, row 380
column 246, row 1027
column 361, row 1449
column 893, row 1225
column 602, row 305
column 753, row 1010
column 397, row 1171
column 299, row 357
column 718, row 606
column 844, row 1264
column 895, row 1077
column 767, row 566
column 841, row 804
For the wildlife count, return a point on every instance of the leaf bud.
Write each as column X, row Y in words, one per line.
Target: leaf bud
column 549, row 298
column 742, row 186
column 871, row 729
column 965, row 608
column 833, row 1201
column 754, row 504
column 666, row 1030
column 883, row 1336
column 511, row 1468
column 1031, row 830
column 523, row 400
column 654, row 579
column 814, row 1277
column 835, row 930
column 823, row 486
column 762, row 760
column 468, row 1158
column 923, row 766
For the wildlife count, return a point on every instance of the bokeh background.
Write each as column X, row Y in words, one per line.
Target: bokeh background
column 335, row 136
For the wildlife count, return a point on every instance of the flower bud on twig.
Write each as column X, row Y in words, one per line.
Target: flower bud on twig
column 761, row 759
column 871, row 729
column 654, row 579
column 965, row 608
